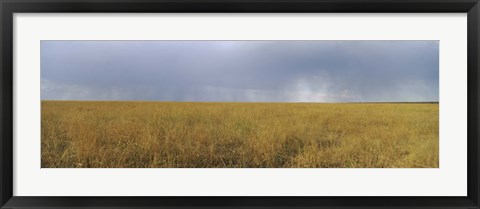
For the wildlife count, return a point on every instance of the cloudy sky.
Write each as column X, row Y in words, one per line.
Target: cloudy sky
column 241, row 71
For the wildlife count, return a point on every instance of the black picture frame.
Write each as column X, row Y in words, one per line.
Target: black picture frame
column 9, row 7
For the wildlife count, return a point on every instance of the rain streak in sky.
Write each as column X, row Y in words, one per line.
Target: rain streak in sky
column 241, row 71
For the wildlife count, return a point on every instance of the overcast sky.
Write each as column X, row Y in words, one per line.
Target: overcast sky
column 241, row 71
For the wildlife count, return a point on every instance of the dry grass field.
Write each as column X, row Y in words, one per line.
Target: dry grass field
column 238, row 135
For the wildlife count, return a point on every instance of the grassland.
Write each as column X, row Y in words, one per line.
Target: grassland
column 238, row 135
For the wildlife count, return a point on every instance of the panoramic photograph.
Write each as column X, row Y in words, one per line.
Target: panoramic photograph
column 240, row 104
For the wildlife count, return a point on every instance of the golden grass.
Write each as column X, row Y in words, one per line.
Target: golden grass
column 238, row 135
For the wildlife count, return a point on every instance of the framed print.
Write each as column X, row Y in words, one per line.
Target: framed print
column 239, row 104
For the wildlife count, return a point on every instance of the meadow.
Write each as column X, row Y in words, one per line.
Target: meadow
column 115, row 134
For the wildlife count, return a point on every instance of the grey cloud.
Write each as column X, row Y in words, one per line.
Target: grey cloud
column 277, row 71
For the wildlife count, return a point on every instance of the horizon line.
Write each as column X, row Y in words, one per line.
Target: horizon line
column 172, row 101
